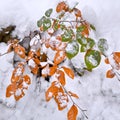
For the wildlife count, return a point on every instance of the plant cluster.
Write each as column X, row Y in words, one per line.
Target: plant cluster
column 66, row 35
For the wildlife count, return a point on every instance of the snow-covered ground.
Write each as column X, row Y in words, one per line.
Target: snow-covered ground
column 99, row 95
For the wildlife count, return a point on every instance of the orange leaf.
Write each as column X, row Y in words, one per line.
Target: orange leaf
column 11, row 89
column 34, row 70
column 110, row 74
column 14, row 78
column 51, row 91
column 73, row 94
column 61, row 99
column 52, row 70
column 116, row 56
column 37, row 61
column 59, row 57
column 19, row 96
column 61, row 77
column 107, row 61
column 20, row 51
column 69, row 72
column 72, row 113
column 77, row 12
column 61, row 6
column 27, row 79
column 85, row 32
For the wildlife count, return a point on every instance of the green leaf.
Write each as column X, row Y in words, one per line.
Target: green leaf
column 81, row 28
column 55, row 25
column 90, row 43
column 67, row 36
column 83, row 48
column 92, row 59
column 92, row 27
column 102, row 45
column 81, row 39
column 49, row 12
column 40, row 22
column 72, row 49
column 46, row 24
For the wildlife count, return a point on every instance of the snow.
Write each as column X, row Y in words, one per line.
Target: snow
column 31, row 63
column 99, row 95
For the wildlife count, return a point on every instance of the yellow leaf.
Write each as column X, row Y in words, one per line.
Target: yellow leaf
column 69, row 72
column 72, row 113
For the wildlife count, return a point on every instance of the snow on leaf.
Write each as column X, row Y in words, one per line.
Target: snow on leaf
column 31, row 63
column 11, row 89
column 61, row 100
column 92, row 59
column 59, row 57
column 45, row 71
column 72, row 49
column 27, row 79
column 103, row 45
column 46, row 24
column 69, row 72
column 54, row 43
column 72, row 113
column 49, row 12
column 19, row 96
column 19, row 50
column 51, row 91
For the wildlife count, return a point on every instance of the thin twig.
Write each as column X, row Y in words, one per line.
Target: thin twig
column 83, row 111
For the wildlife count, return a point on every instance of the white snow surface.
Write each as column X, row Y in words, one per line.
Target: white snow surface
column 98, row 95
